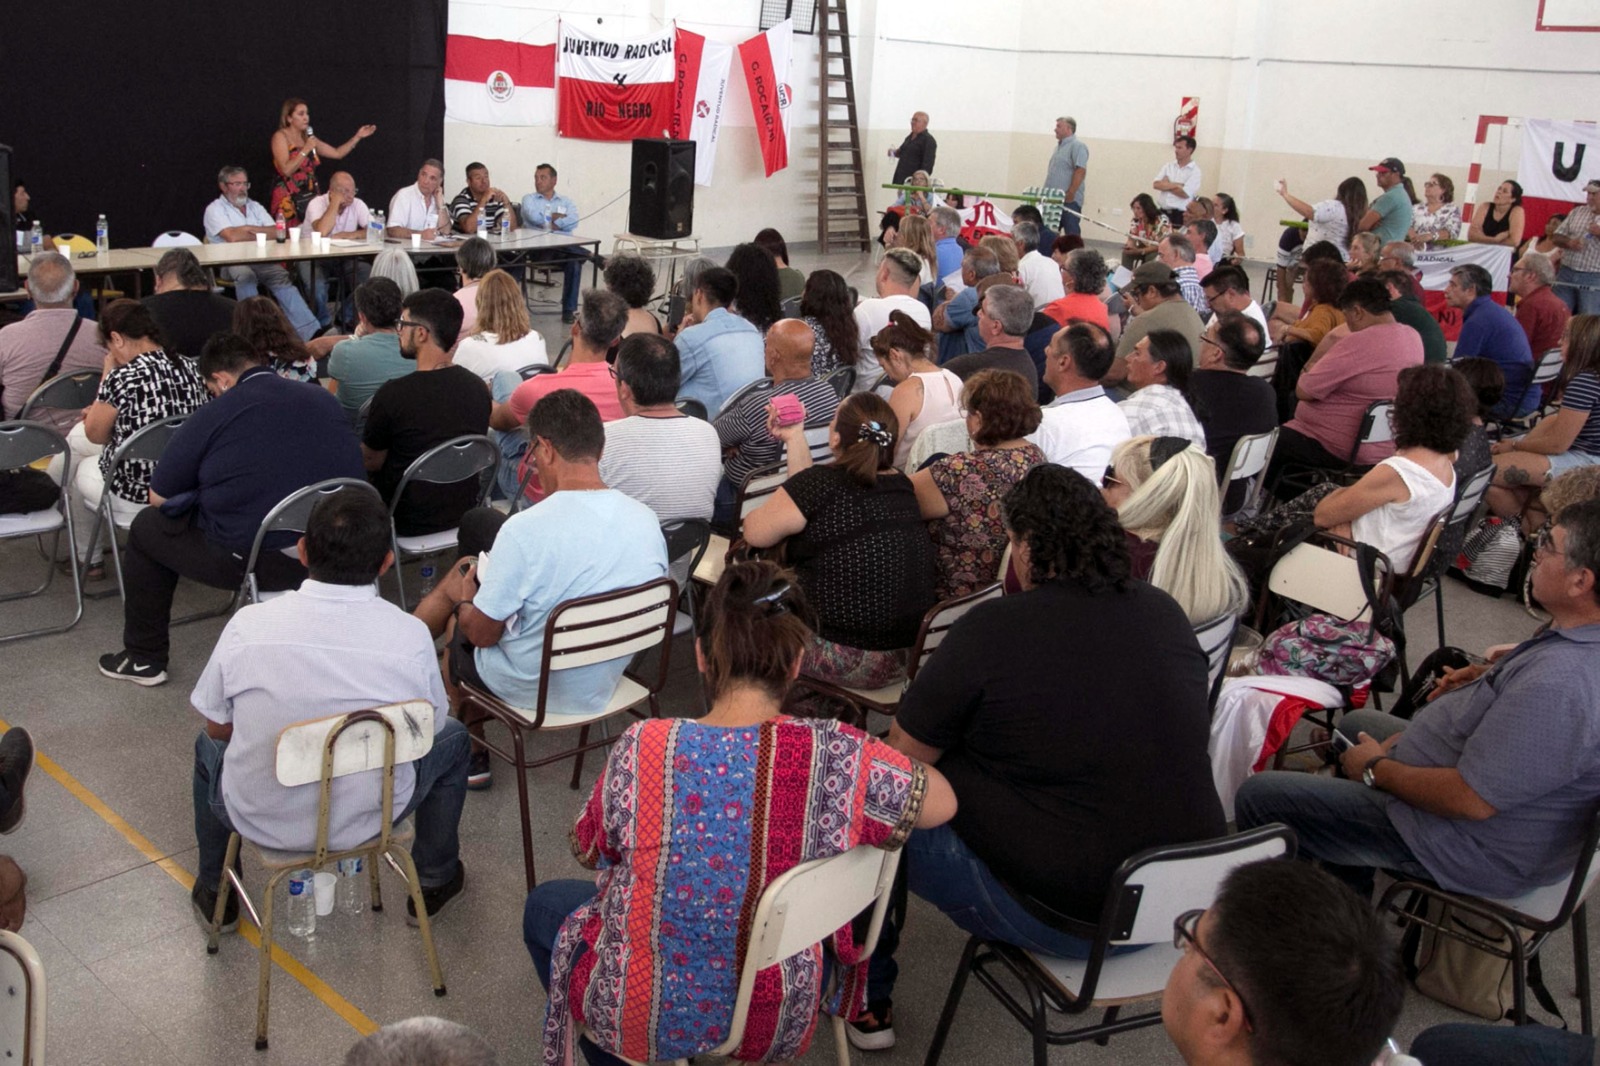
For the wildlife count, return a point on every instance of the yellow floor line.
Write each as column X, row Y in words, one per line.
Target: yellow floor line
column 286, row 962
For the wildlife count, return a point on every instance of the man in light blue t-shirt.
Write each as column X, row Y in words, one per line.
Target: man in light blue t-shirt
column 582, row 539
column 1389, row 216
column 358, row 367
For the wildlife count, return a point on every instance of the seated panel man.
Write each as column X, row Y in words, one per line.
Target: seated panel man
column 480, row 199
column 332, row 647
column 419, row 208
column 546, row 209
column 339, row 215
column 234, row 218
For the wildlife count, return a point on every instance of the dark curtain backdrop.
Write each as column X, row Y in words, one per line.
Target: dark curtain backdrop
column 157, row 95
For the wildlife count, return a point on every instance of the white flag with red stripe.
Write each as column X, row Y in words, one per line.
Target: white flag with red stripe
column 614, row 89
column 765, row 59
column 699, row 95
column 499, row 83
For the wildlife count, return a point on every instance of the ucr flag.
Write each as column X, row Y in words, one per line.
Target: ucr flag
column 765, row 59
column 614, row 90
column 699, row 93
column 499, row 83
column 1558, row 158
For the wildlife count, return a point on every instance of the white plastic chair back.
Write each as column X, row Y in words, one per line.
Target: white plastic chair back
column 946, row 615
column 1471, row 495
column 1548, row 370
column 1170, row 886
column 175, row 238
column 22, row 1007
column 817, row 443
column 761, row 485
column 300, row 746
column 1266, row 366
column 1216, row 640
column 1323, row 580
column 1249, row 463
column 597, row 629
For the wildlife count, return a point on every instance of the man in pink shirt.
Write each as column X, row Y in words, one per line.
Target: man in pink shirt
column 1337, row 386
column 602, row 315
column 28, row 348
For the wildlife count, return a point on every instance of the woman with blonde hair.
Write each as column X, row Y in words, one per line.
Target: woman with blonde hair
column 917, row 235
column 1164, row 490
column 1004, row 249
column 503, row 339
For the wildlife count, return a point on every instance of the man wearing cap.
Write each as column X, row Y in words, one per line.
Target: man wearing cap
column 1390, row 214
column 1157, row 296
column 1578, row 280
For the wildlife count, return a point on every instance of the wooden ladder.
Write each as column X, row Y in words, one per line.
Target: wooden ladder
column 841, row 188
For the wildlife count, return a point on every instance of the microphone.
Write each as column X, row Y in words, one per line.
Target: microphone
column 309, row 136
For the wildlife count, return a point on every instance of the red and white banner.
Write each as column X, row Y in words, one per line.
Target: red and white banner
column 614, row 90
column 1433, row 270
column 765, row 59
column 499, row 83
column 983, row 217
column 700, row 92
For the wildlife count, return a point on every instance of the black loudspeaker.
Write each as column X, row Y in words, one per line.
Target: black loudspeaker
column 8, row 258
column 662, row 202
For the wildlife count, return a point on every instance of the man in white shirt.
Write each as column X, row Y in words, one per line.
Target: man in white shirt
column 234, row 218
column 332, row 647
column 1082, row 425
column 1227, row 288
column 1179, row 181
column 897, row 282
column 1039, row 274
column 420, row 208
column 338, row 215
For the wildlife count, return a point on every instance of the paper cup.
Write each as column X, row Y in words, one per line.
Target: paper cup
column 325, row 888
column 294, row 233
column 261, row 240
column 416, row 240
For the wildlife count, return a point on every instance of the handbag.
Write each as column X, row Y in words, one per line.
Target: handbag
column 1328, row 649
column 1489, row 555
column 1460, row 975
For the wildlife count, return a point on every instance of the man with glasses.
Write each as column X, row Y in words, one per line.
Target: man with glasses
column 1540, row 312
column 338, row 215
column 234, row 218
column 1286, row 966
column 1229, row 401
column 1490, row 789
column 1397, row 255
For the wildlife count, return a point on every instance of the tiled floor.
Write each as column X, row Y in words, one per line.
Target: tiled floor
column 130, row 982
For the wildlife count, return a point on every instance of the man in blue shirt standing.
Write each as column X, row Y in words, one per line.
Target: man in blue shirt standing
column 1490, row 331
column 548, row 210
column 1068, row 164
column 1390, row 214
column 231, row 462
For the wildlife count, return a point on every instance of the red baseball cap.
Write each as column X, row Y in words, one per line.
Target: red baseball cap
column 1390, row 164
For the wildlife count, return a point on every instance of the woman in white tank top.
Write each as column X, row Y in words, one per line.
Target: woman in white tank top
column 1394, row 503
column 923, row 395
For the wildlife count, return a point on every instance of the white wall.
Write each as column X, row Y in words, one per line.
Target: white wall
column 1312, row 92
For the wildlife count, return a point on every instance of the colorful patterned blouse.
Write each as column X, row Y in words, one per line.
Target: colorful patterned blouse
column 971, row 539
column 686, row 828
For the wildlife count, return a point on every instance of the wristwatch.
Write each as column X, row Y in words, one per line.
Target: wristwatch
column 1367, row 777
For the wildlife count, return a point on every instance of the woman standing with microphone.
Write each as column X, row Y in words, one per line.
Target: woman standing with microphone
column 295, row 155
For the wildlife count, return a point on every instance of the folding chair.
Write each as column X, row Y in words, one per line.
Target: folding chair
column 1148, row 893
column 817, row 443
column 886, row 700
column 64, row 392
column 1469, row 494
column 1267, row 365
column 582, row 632
column 24, row 444
column 533, row 370
column 687, row 538
column 22, row 1015
column 1216, row 640
column 145, row 445
column 315, row 753
column 1248, row 462
column 290, row 515
column 1540, row 912
column 801, row 908
column 472, row 455
column 692, row 408
column 843, row 380
column 1375, row 429
column 759, row 385
column 175, row 238
column 760, row 485
column 1546, row 369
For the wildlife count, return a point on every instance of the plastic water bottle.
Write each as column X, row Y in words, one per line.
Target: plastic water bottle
column 430, row 578
column 36, row 238
column 383, row 225
column 483, row 225
column 282, row 225
column 102, row 236
column 351, row 895
column 505, row 224
column 302, row 904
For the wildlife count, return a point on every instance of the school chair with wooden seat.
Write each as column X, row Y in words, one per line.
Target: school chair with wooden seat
column 22, row 1010
column 1248, row 462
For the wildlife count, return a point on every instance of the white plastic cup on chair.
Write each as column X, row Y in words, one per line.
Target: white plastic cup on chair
column 416, row 240
column 261, row 240
column 294, row 233
column 326, row 885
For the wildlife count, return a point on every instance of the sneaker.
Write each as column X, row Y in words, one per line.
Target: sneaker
column 122, row 666
column 874, row 1030
column 16, row 762
column 205, row 905
column 478, row 774
column 435, row 899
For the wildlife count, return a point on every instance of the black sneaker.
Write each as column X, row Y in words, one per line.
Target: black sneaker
column 478, row 774
column 16, row 762
column 205, row 905
column 124, row 666
column 435, row 899
column 874, row 1030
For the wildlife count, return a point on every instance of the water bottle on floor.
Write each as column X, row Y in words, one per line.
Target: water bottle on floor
column 302, row 904
column 430, row 578
column 351, row 897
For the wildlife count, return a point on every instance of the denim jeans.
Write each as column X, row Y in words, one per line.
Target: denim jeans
column 546, row 909
column 1069, row 221
column 725, row 509
column 248, row 281
column 945, row 872
column 1469, row 1044
column 1342, row 823
column 436, row 800
column 1584, row 300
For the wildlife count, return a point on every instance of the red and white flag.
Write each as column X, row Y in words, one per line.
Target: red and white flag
column 699, row 95
column 499, row 83
column 614, row 90
column 765, row 59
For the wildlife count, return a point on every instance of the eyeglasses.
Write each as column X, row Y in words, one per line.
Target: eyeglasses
column 406, row 323
column 613, row 370
column 1110, row 478
column 1204, row 339
column 1545, row 543
column 1183, row 936
column 245, row 185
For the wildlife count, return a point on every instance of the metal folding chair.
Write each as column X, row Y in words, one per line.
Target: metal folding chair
column 1216, row 640
column 843, row 380
column 1248, row 462
column 692, row 408
column 472, row 455
column 759, row 385
column 145, row 445
column 24, row 444
column 64, row 392
column 290, row 515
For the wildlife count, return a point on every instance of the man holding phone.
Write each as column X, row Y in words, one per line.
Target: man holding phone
column 546, row 209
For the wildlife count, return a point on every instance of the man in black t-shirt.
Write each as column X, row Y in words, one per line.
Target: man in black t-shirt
column 412, row 414
column 1005, row 314
column 1229, row 402
column 184, row 306
column 1064, row 760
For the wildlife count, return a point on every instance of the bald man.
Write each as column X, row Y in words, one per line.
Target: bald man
column 916, row 152
column 742, row 427
column 338, row 215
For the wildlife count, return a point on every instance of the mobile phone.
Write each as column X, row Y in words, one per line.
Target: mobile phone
column 1341, row 743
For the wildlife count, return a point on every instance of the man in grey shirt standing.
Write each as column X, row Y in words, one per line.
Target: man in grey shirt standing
column 1068, row 164
column 1490, row 789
